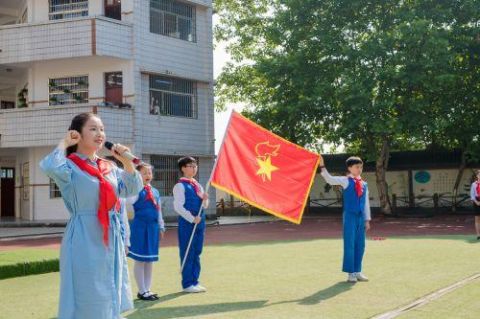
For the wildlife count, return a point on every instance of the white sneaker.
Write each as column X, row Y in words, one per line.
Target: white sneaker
column 361, row 277
column 352, row 278
column 201, row 288
column 191, row 290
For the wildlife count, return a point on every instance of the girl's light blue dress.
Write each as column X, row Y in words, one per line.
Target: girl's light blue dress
column 94, row 281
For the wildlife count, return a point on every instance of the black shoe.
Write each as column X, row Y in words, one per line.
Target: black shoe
column 154, row 295
column 478, row 237
column 146, row 296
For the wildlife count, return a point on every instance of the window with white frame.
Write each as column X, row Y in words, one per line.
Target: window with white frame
column 174, row 19
column 66, row 9
column 165, row 173
column 173, row 97
column 70, row 90
column 54, row 190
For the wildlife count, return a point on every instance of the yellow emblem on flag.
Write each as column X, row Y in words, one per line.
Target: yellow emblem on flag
column 265, row 152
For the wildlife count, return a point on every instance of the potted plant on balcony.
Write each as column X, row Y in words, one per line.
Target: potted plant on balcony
column 53, row 100
column 78, row 98
column 22, row 98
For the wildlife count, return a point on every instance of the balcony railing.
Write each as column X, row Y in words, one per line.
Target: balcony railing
column 44, row 126
column 77, row 37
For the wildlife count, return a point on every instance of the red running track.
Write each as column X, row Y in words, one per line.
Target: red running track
column 311, row 228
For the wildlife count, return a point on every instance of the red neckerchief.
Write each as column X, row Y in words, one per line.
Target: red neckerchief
column 150, row 196
column 358, row 186
column 107, row 198
column 478, row 189
column 195, row 185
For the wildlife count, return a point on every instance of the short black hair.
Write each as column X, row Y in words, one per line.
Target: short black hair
column 184, row 161
column 142, row 165
column 352, row 160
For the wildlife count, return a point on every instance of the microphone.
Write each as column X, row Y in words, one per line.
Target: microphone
column 127, row 154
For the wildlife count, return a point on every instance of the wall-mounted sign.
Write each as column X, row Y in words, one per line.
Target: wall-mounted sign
column 422, row 177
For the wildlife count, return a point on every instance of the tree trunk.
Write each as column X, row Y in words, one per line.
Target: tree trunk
column 380, row 174
column 461, row 169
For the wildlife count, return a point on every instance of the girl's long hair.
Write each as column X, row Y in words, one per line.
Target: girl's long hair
column 78, row 122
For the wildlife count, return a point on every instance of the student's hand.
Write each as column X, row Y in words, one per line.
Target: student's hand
column 72, row 138
column 117, row 151
column 367, row 225
column 162, row 234
column 197, row 220
column 321, row 162
column 205, row 196
column 126, row 250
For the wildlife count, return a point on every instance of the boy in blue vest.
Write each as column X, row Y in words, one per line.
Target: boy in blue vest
column 188, row 196
column 356, row 216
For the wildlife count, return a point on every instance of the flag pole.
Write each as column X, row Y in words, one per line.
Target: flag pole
column 207, row 188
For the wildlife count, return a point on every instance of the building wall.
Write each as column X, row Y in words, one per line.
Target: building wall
column 94, row 67
column 166, row 135
column 158, row 54
column 166, row 55
column 44, row 207
column 146, row 53
column 41, row 124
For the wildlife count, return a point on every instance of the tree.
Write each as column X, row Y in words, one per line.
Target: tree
column 373, row 75
column 459, row 127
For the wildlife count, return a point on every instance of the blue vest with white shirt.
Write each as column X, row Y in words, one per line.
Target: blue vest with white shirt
column 352, row 204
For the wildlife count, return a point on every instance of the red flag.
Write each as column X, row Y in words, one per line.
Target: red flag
column 264, row 170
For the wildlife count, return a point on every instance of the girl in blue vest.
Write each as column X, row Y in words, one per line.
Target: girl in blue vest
column 188, row 196
column 145, row 232
column 356, row 216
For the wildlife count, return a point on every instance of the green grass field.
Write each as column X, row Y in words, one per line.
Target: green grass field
column 28, row 254
column 462, row 303
column 300, row 279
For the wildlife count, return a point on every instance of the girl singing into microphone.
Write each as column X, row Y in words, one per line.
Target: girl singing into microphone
column 93, row 270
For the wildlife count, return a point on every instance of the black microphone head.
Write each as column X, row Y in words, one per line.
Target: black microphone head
column 108, row 145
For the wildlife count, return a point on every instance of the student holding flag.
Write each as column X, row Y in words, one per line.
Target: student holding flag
column 356, row 216
column 188, row 197
column 93, row 268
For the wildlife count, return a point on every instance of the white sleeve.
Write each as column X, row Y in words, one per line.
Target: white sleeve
column 132, row 200
column 334, row 180
column 473, row 195
column 126, row 225
column 179, row 201
column 161, row 222
column 206, row 202
column 366, row 211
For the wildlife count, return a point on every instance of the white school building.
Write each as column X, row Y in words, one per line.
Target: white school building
column 144, row 66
